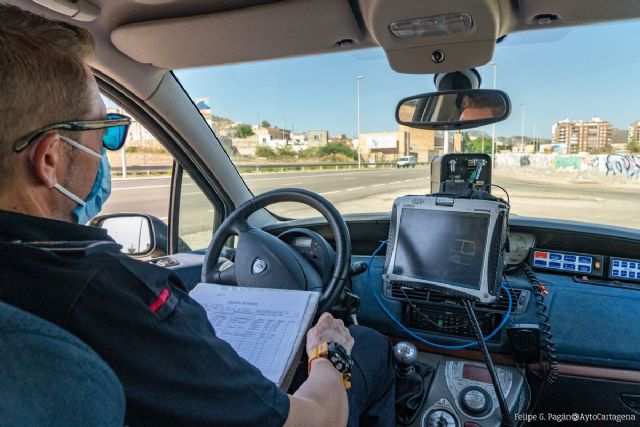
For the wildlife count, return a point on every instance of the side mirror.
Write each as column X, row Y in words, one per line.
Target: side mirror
column 141, row 236
column 454, row 109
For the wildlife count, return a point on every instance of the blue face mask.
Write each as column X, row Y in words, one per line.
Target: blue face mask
column 100, row 191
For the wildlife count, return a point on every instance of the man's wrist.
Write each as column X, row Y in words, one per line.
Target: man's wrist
column 318, row 361
column 336, row 356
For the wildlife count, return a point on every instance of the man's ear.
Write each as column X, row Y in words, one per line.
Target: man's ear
column 46, row 158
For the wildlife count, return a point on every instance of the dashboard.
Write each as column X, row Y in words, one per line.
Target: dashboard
column 609, row 293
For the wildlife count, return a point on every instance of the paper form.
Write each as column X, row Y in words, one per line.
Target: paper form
column 265, row 326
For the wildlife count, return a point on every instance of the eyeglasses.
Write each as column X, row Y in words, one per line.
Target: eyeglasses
column 117, row 126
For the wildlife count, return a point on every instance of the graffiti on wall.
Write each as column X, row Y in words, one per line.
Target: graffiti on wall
column 623, row 165
column 607, row 164
column 567, row 162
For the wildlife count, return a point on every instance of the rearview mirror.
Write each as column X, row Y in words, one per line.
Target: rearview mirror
column 454, row 109
column 139, row 235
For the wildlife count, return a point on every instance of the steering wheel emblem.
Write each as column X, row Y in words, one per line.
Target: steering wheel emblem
column 259, row 266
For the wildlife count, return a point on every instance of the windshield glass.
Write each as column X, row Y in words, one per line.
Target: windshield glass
column 326, row 123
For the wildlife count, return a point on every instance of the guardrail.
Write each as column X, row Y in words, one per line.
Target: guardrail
column 261, row 167
column 281, row 167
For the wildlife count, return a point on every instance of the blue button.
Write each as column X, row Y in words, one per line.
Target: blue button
column 584, row 259
column 571, row 267
column 632, row 274
column 540, row 263
column 555, row 257
column 570, row 258
column 623, row 264
column 632, row 265
column 623, row 273
column 584, row 268
column 555, row 265
column 615, row 273
column 616, row 263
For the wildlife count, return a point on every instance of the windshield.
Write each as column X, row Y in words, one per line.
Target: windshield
column 326, row 123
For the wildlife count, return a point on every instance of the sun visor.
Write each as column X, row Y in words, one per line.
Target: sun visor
column 434, row 36
column 268, row 31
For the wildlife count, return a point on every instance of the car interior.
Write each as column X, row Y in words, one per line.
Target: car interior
column 533, row 337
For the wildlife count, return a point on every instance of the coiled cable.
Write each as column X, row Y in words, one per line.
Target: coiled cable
column 548, row 359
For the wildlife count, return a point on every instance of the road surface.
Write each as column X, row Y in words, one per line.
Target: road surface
column 373, row 190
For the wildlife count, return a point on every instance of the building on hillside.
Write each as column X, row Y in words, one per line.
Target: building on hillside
column 298, row 142
column 317, row 138
column 378, row 146
column 424, row 144
column 205, row 110
column 634, row 132
column 272, row 137
column 341, row 139
column 581, row 136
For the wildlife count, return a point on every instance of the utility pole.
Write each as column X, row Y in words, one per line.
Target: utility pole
column 493, row 126
column 358, row 111
column 522, row 129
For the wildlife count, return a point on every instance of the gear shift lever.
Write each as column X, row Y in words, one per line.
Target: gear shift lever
column 406, row 355
column 412, row 380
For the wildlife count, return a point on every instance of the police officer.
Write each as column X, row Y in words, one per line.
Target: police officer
column 54, row 134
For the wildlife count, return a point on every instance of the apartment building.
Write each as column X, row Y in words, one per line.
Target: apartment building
column 634, row 132
column 582, row 136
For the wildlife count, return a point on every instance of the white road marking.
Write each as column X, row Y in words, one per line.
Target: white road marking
column 140, row 187
column 396, row 182
column 378, row 185
column 330, row 192
column 355, row 188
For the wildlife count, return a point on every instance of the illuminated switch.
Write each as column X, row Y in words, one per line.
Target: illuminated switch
column 541, row 255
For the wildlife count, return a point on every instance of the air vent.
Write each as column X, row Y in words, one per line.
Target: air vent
column 435, row 297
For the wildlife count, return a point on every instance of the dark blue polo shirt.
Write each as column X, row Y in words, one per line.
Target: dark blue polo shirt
column 140, row 319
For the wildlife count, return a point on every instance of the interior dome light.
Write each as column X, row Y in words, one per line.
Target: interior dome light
column 439, row 25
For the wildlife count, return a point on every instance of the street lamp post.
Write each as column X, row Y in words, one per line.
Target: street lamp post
column 522, row 129
column 493, row 126
column 358, row 110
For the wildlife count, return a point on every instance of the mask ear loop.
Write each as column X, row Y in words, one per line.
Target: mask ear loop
column 80, row 147
column 69, row 194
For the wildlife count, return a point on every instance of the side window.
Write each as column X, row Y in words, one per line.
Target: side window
column 142, row 182
column 197, row 216
column 141, row 173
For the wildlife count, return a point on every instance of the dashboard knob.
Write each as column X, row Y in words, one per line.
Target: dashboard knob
column 475, row 401
column 440, row 418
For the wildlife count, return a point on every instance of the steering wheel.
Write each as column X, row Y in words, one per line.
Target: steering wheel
column 263, row 260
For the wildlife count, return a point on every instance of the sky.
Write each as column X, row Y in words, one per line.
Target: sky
column 577, row 73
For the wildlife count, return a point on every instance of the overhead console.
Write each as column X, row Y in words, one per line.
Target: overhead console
column 426, row 37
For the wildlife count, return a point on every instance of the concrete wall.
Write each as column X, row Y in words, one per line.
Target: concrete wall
column 626, row 166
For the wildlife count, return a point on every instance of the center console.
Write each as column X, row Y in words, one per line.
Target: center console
column 460, row 393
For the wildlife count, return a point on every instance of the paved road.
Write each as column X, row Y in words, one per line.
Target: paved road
column 373, row 190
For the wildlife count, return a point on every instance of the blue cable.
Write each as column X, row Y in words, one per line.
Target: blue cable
column 419, row 338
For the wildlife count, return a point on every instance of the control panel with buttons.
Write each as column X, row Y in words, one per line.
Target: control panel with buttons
column 624, row 269
column 567, row 262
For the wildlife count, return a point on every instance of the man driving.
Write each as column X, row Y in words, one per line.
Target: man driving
column 478, row 107
column 55, row 176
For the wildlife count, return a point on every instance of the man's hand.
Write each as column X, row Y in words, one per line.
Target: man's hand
column 329, row 329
